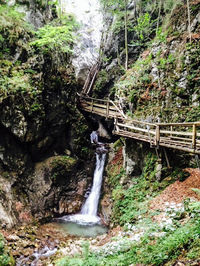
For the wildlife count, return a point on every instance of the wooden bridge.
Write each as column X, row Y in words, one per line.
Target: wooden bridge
column 180, row 136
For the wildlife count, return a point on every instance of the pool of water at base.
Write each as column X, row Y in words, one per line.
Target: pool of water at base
column 82, row 230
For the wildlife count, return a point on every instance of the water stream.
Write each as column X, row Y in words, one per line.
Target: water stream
column 77, row 223
column 91, row 204
column 88, row 213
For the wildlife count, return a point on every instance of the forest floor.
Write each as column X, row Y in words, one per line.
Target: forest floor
column 27, row 243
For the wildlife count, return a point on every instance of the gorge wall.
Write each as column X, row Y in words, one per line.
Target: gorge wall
column 45, row 156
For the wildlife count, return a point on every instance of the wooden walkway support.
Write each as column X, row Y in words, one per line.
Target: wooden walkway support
column 91, row 78
column 179, row 136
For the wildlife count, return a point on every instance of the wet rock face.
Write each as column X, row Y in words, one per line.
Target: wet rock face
column 62, row 189
column 36, row 12
column 53, row 187
column 133, row 157
column 7, row 216
column 39, row 120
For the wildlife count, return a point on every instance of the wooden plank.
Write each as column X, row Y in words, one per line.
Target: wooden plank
column 180, row 148
column 95, row 99
column 181, row 133
column 186, row 139
column 178, row 141
column 137, row 128
column 179, row 138
column 166, row 158
column 107, row 109
column 132, row 135
column 100, row 109
column 93, row 79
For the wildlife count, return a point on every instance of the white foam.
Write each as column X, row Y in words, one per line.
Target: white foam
column 82, row 219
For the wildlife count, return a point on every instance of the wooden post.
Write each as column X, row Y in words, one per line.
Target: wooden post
column 116, row 126
column 157, row 136
column 92, row 105
column 197, row 160
column 171, row 128
column 107, row 109
column 194, row 137
column 166, row 158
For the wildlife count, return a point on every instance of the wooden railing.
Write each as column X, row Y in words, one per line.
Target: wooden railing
column 106, row 108
column 180, row 136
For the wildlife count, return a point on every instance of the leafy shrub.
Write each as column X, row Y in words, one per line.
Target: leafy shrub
column 5, row 259
column 144, row 27
column 12, row 26
column 58, row 35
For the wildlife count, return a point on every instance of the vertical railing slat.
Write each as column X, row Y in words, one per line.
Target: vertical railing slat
column 157, row 136
column 194, row 137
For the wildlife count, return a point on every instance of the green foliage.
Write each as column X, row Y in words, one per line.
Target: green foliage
column 57, row 37
column 61, row 166
column 130, row 203
column 196, row 190
column 127, row 202
column 161, row 35
column 17, row 82
column 12, row 26
column 147, row 251
column 149, row 169
column 144, row 27
column 194, row 250
column 5, row 259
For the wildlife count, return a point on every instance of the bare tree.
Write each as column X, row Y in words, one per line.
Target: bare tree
column 159, row 13
column 189, row 21
column 126, row 32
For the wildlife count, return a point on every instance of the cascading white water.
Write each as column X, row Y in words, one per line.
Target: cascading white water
column 86, row 51
column 88, row 214
column 91, row 204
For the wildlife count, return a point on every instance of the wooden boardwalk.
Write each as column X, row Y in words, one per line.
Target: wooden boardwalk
column 179, row 136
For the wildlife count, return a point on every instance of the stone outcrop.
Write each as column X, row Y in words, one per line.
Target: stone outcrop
column 39, row 120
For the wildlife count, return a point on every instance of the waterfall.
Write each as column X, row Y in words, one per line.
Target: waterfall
column 86, row 51
column 91, row 205
column 88, row 214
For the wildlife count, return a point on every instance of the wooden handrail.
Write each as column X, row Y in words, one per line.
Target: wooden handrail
column 184, row 124
column 158, row 134
column 117, row 108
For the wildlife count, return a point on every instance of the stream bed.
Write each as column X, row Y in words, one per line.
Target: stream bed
column 43, row 244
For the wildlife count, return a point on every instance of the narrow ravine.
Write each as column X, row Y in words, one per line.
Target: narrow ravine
column 66, row 198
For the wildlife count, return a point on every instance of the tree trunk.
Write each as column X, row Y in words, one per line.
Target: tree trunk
column 126, row 33
column 189, row 21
